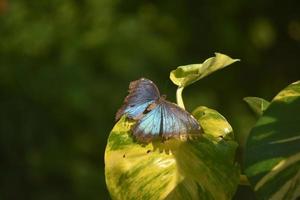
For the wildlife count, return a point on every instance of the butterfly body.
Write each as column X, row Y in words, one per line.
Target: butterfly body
column 155, row 116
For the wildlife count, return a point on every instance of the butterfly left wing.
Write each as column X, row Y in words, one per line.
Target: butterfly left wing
column 166, row 120
column 149, row 126
column 142, row 93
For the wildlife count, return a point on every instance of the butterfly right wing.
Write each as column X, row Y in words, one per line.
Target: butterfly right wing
column 178, row 123
column 142, row 93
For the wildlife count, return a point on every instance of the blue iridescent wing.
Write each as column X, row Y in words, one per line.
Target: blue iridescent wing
column 149, row 126
column 142, row 93
column 166, row 120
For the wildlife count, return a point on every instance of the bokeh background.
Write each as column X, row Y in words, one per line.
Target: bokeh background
column 65, row 67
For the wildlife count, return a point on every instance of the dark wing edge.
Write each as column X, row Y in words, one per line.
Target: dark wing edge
column 133, row 87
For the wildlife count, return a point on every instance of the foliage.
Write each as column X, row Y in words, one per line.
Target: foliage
column 187, row 169
column 272, row 157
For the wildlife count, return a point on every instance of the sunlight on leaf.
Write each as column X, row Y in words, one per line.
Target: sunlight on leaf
column 188, row 74
column 213, row 122
column 258, row 105
column 202, row 168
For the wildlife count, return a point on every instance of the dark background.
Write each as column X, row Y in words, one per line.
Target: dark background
column 65, row 67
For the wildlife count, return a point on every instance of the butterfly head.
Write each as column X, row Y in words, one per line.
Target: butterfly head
column 162, row 97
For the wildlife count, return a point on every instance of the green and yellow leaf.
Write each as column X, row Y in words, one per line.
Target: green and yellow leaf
column 273, row 148
column 201, row 168
column 213, row 122
column 188, row 74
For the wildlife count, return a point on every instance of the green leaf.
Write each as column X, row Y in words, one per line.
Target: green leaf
column 258, row 105
column 188, row 74
column 202, row 168
column 272, row 157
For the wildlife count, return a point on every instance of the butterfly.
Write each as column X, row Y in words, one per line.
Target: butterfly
column 155, row 116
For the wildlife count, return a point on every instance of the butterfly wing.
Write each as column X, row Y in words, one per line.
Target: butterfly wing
column 142, row 93
column 168, row 121
column 177, row 123
column 149, row 126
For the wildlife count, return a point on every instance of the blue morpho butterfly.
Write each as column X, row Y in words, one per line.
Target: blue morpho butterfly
column 155, row 116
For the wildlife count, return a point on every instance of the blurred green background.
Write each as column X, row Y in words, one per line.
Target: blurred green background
column 65, row 67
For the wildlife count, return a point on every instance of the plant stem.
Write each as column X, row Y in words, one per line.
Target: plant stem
column 179, row 97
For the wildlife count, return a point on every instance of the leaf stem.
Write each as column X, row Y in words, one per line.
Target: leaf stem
column 179, row 97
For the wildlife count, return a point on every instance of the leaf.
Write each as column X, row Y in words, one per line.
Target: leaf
column 201, row 168
column 188, row 74
column 213, row 122
column 272, row 157
column 258, row 105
